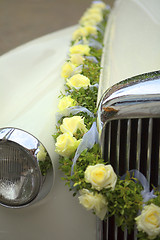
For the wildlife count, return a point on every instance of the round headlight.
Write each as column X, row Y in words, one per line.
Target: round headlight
column 24, row 168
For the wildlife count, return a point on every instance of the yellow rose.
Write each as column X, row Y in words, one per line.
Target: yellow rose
column 149, row 221
column 78, row 81
column 66, row 144
column 90, row 22
column 77, row 59
column 41, row 155
column 94, row 10
column 99, row 5
column 82, row 49
column 80, row 32
column 72, row 124
column 96, row 16
column 67, row 69
column 101, row 176
column 84, row 32
column 95, row 202
column 66, row 102
column 91, row 30
column 91, row 19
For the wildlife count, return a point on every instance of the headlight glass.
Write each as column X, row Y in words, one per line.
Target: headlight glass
column 20, row 175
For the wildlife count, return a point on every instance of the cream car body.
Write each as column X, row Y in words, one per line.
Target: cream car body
column 30, row 85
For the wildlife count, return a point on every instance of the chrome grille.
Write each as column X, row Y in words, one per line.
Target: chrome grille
column 132, row 143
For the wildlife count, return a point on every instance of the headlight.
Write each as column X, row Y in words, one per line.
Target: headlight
column 23, row 179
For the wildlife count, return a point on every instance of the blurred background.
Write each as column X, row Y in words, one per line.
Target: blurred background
column 24, row 20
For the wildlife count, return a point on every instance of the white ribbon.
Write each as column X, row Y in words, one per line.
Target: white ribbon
column 95, row 44
column 92, row 59
column 146, row 194
column 77, row 70
column 88, row 140
column 73, row 110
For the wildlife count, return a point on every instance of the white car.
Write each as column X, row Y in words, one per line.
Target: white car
column 30, row 86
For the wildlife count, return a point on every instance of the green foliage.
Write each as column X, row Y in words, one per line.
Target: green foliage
column 156, row 200
column 45, row 165
column 92, row 71
column 88, row 121
column 87, row 157
column 143, row 236
column 96, row 53
column 86, row 97
column 124, row 202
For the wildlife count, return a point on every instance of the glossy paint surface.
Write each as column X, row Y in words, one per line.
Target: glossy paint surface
column 132, row 41
column 30, row 84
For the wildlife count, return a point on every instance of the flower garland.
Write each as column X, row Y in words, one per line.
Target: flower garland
column 76, row 137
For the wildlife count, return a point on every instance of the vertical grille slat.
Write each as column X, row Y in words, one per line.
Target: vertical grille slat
column 125, row 234
column 123, row 147
column 139, row 132
column 109, row 141
column 144, row 146
column 132, row 144
column 159, row 166
column 150, row 126
column 113, row 145
column 128, row 143
column 107, row 230
column 115, row 232
column 118, row 146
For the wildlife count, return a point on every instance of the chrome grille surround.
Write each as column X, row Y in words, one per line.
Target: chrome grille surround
column 128, row 121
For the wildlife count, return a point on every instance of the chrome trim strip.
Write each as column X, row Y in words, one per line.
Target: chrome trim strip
column 134, row 97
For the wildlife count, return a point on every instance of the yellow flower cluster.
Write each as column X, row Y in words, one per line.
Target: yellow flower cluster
column 81, row 49
column 88, row 27
column 77, row 59
column 78, row 81
column 67, row 143
column 67, row 69
column 66, row 102
column 73, row 128
column 72, row 124
column 96, row 202
column 149, row 221
column 101, row 176
column 84, row 32
column 93, row 15
column 41, row 155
